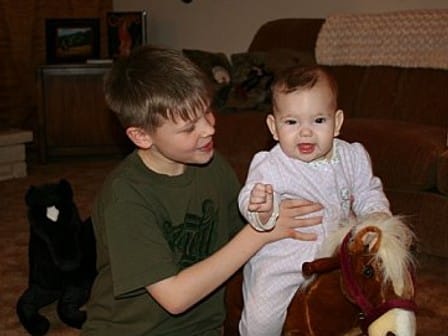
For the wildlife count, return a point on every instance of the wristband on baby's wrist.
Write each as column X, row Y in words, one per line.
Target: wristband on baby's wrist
column 254, row 218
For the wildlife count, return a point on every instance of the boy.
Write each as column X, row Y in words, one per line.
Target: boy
column 308, row 162
column 165, row 217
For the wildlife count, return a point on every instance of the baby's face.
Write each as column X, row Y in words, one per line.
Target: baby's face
column 305, row 122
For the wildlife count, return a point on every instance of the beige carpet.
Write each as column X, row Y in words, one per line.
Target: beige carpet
column 86, row 177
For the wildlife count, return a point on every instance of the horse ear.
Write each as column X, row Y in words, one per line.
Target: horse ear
column 371, row 240
column 367, row 240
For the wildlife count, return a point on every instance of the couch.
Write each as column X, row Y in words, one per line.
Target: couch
column 401, row 116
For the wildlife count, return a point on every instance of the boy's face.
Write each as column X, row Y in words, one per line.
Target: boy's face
column 305, row 122
column 177, row 142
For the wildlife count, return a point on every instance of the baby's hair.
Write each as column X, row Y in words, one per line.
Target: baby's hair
column 299, row 78
column 153, row 84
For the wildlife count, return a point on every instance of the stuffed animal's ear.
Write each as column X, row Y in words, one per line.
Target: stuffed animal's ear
column 29, row 196
column 66, row 189
column 367, row 240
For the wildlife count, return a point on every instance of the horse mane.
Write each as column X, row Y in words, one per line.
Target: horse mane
column 394, row 253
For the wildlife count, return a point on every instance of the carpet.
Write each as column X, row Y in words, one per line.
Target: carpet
column 86, row 176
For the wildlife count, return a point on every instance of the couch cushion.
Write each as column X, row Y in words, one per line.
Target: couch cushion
column 404, row 155
column 376, row 97
column 239, row 136
column 348, row 78
column 442, row 173
column 426, row 212
column 423, row 96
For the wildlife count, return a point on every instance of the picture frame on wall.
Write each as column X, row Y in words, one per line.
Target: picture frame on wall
column 125, row 31
column 72, row 40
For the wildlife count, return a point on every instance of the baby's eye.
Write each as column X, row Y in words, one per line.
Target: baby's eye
column 290, row 122
column 320, row 120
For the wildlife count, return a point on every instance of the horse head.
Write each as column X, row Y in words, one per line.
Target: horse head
column 371, row 270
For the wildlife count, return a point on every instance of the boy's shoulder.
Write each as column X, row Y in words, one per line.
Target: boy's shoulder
column 128, row 166
column 219, row 162
column 221, row 171
column 120, row 176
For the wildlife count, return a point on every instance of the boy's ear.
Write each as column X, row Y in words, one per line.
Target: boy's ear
column 139, row 137
column 338, row 121
column 270, row 121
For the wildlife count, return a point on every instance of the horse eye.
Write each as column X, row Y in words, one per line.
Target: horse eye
column 368, row 271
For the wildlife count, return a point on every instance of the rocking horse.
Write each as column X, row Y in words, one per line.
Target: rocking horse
column 362, row 283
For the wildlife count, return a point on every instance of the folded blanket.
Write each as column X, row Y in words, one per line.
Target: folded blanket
column 413, row 38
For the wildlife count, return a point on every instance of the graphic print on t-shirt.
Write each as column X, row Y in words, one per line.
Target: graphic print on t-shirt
column 192, row 239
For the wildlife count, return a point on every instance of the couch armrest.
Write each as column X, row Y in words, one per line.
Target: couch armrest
column 442, row 173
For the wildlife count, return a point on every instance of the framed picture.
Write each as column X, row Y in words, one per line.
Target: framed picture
column 72, row 40
column 125, row 31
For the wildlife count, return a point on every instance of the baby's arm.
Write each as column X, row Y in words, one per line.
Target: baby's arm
column 257, row 200
column 262, row 211
column 260, row 199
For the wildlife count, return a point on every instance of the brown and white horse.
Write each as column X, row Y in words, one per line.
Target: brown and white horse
column 363, row 284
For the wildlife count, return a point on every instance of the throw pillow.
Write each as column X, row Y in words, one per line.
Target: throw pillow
column 210, row 63
column 253, row 72
column 217, row 67
column 250, row 81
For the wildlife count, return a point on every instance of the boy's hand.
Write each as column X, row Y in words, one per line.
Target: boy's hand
column 261, row 198
column 291, row 211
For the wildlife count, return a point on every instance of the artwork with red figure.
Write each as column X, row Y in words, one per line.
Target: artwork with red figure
column 126, row 31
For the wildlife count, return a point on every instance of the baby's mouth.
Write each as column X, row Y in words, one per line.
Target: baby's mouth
column 306, row 148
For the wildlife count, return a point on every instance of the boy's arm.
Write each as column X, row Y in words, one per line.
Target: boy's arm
column 178, row 293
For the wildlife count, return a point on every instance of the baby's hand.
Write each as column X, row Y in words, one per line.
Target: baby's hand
column 261, row 198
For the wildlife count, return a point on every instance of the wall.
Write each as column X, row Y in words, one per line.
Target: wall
column 22, row 51
column 228, row 25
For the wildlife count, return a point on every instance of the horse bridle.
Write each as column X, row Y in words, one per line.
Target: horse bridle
column 369, row 312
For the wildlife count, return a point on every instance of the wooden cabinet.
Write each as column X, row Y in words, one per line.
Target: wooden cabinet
column 73, row 117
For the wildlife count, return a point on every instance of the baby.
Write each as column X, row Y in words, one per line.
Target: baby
column 308, row 162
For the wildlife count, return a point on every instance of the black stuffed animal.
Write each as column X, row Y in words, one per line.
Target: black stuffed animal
column 61, row 256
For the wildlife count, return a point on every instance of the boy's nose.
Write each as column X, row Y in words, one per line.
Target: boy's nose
column 208, row 127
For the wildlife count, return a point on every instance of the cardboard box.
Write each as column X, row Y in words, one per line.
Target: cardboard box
column 13, row 154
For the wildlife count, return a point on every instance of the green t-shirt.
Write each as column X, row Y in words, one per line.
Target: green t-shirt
column 148, row 227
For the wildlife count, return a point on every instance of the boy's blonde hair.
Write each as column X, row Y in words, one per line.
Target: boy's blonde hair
column 298, row 78
column 153, row 84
